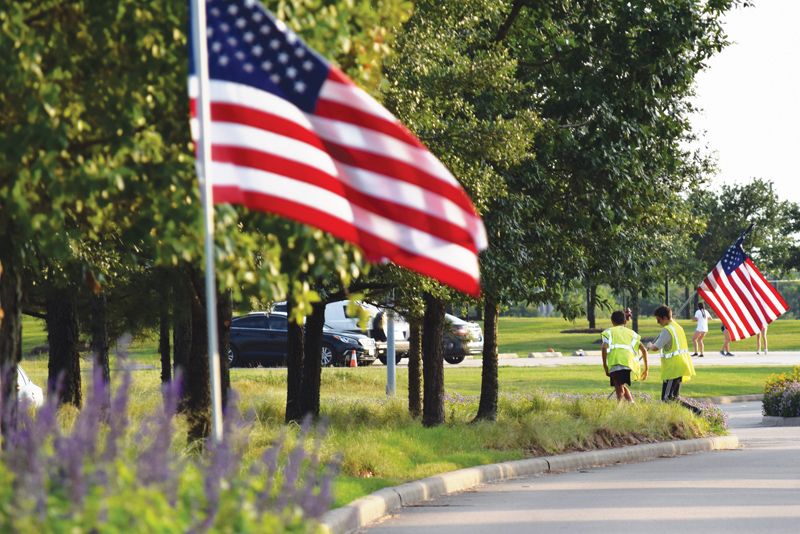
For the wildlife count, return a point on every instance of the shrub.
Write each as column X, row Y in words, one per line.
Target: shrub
column 782, row 394
column 99, row 475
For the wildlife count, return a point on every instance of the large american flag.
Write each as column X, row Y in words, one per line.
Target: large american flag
column 740, row 295
column 291, row 134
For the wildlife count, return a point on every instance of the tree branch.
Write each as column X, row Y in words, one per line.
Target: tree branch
column 512, row 16
column 32, row 313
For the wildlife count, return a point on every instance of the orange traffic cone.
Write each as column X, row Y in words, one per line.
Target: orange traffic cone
column 353, row 359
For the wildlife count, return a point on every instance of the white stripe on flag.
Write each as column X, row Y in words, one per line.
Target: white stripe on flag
column 739, row 277
column 712, row 298
column 405, row 237
column 718, row 281
column 352, row 136
column 768, row 290
column 347, row 94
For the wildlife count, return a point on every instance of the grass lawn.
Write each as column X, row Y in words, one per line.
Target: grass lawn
column 381, row 445
column 538, row 334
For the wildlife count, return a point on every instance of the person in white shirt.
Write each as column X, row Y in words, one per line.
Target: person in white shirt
column 701, row 317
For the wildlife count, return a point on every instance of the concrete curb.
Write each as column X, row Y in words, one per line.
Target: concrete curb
column 367, row 509
column 771, row 420
column 730, row 399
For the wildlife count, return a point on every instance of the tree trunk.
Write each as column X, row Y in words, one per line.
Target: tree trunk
column 666, row 291
column 196, row 379
column 181, row 331
column 63, row 367
column 433, row 362
column 294, row 367
column 635, row 309
column 487, row 408
column 99, row 328
column 696, row 302
column 163, row 337
column 591, row 300
column 415, row 369
column 312, row 365
column 98, row 307
column 224, row 318
column 10, row 333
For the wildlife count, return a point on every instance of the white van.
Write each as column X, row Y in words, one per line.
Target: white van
column 339, row 317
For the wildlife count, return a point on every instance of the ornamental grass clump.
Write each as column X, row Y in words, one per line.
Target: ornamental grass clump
column 99, row 474
column 782, row 394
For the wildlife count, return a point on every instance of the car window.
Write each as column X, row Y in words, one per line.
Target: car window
column 278, row 323
column 255, row 321
column 350, row 315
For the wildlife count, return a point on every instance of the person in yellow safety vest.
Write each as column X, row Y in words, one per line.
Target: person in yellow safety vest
column 619, row 349
column 676, row 363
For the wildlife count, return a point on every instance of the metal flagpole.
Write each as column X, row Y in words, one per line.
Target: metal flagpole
column 390, row 354
column 204, row 159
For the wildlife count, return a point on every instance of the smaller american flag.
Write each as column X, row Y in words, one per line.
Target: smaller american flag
column 740, row 295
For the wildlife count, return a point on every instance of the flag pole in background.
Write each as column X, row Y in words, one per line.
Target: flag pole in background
column 200, row 46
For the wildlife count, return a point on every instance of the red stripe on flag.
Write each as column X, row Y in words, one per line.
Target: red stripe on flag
column 374, row 246
column 747, row 299
column 725, row 311
column 340, row 112
column 712, row 301
column 383, row 165
column 738, row 321
column 338, row 76
column 247, row 116
column 756, row 299
column 401, row 171
column 420, row 220
column 774, row 291
column 769, row 302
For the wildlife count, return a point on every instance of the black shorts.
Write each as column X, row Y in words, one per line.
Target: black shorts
column 620, row 378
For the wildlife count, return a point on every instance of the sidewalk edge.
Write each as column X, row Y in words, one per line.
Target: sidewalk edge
column 372, row 507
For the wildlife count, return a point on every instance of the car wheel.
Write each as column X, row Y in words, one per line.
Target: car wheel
column 397, row 358
column 233, row 357
column 455, row 358
column 327, row 356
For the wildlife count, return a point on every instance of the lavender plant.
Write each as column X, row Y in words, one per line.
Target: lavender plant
column 98, row 474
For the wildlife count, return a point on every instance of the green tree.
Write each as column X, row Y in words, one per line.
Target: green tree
column 773, row 243
column 611, row 80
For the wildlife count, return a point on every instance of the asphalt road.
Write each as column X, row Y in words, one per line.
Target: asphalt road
column 751, row 490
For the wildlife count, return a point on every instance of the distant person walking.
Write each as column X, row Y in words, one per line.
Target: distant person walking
column 701, row 317
column 620, row 348
column 761, row 339
column 726, row 342
column 676, row 363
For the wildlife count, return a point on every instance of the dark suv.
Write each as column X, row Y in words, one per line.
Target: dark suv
column 259, row 338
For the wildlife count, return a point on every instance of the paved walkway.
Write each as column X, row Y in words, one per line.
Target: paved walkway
column 752, row 490
column 713, row 358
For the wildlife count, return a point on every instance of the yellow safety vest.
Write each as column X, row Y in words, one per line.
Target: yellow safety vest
column 677, row 362
column 623, row 346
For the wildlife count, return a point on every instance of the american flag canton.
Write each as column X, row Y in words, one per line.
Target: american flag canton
column 247, row 45
column 734, row 257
